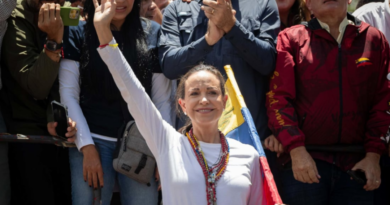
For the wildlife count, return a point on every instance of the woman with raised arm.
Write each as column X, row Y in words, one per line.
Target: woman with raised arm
column 198, row 166
column 94, row 101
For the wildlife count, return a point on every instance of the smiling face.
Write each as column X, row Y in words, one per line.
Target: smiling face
column 323, row 9
column 204, row 99
column 123, row 8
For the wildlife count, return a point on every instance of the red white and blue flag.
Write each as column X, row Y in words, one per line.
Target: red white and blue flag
column 236, row 122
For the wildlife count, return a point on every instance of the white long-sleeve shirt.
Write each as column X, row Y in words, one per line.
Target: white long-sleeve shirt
column 70, row 96
column 377, row 14
column 182, row 179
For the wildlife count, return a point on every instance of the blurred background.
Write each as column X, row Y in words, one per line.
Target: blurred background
column 357, row 3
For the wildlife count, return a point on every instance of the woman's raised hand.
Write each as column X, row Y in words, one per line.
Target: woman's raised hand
column 102, row 19
column 104, row 12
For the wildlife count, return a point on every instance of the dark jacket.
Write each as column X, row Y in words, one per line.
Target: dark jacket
column 323, row 93
column 29, row 76
column 249, row 48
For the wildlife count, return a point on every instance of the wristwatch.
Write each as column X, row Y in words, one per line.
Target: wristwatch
column 52, row 45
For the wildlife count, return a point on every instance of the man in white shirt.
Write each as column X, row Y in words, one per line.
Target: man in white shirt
column 377, row 14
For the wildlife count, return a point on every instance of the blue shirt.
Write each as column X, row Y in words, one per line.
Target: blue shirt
column 249, row 48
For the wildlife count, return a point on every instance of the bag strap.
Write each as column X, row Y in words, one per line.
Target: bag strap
column 141, row 163
column 126, row 119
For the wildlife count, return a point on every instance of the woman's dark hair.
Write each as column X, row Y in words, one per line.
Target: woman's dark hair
column 180, row 92
column 298, row 13
column 99, row 81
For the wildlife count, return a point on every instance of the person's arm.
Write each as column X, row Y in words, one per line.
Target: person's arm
column 70, row 96
column 176, row 59
column 279, row 98
column 280, row 112
column 256, row 190
column 6, row 8
column 69, row 76
column 35, row 70
column 258, row 50
column 158, row 134
column 379, row 119
column 161, row 93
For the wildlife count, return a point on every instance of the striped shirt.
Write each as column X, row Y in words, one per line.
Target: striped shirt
column 6, row 7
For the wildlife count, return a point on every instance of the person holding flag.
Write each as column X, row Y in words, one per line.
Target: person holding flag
column 199, row 165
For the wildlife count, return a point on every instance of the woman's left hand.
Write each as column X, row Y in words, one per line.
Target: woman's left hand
column 71, row 134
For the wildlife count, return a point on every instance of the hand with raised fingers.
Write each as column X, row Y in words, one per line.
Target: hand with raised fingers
column 71, row 134
column 50, row 22
column 370, row 166
column 92, row 168
column 214, row 34
column 303, row 166
column 274, row 145
column 221, row 13
column 104, row 13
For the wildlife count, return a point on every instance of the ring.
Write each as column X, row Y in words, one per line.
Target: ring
column 377, row 181
column 212, row 12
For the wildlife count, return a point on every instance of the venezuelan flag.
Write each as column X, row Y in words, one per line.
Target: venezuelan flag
column 362, row 62
column 236, row 122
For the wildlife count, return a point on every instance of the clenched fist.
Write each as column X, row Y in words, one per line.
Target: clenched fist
column 50, row 22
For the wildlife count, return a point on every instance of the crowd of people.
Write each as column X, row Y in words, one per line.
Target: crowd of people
column 315, row 78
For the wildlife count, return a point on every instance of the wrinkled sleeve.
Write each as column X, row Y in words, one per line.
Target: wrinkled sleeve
column 161, row 95
column 256, row 190
column 70, row 96
column 177, row 59
column 258, row 49
column 364, row 15
column 279, row 100
column 379, row 118
column 32, row 69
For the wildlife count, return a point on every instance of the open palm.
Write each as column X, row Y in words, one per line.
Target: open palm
column 104, row 12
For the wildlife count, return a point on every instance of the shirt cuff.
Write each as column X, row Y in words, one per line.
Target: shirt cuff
column 202, row 46
column 295, row 145
column 236, row 31
column 377, row 147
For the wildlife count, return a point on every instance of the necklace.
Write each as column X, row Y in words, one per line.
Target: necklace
column 214, row 173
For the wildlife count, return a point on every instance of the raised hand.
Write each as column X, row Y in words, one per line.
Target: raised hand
column 104, row 12
column 102, row 19
column 50, row 22
column 221, row 13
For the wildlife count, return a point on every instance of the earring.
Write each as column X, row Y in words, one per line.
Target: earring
column 185, row 113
